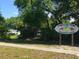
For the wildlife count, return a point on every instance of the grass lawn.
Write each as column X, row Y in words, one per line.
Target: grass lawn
column 21, row 53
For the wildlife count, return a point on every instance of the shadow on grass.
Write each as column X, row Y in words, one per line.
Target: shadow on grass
column 41, row 41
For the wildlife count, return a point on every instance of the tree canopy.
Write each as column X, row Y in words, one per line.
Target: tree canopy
column 59, row 8
column 46, row 14
column 1, row 18
column 14, row 22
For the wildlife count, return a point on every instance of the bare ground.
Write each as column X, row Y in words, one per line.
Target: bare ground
column 52, row 48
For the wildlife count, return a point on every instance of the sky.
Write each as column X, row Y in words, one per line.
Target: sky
column 8, row 9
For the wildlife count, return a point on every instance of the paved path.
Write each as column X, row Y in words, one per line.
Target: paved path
column 52, row 48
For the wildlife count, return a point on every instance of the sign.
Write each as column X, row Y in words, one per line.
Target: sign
column 66, row 28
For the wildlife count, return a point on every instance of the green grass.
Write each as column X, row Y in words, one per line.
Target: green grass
column 13, row 36
column 21, row 53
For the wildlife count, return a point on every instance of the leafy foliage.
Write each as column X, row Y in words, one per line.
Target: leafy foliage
column 41, row 15
column 35, row 12
column 3, row 28
column 14, row 22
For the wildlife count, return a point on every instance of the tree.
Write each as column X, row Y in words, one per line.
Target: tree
column 34, row 11
column 1, row 18
column 14, row 23
column 3, row 28
column 59, row 8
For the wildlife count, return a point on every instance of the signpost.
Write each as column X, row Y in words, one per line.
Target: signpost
column 66, row 29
